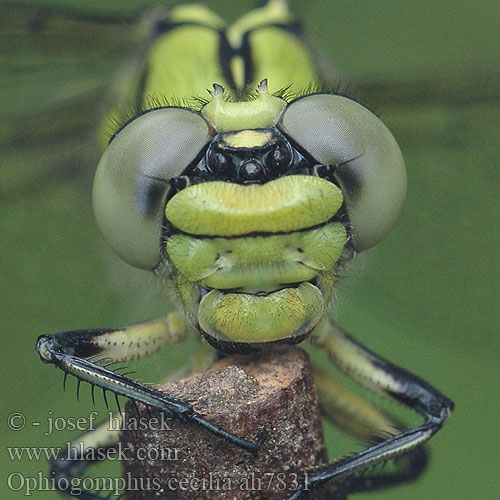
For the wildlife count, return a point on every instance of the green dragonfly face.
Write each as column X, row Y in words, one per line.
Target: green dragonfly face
column 247, row 206
column 427, row 288
column 249, row 203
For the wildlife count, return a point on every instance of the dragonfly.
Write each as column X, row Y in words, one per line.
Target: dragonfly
column 56, row 168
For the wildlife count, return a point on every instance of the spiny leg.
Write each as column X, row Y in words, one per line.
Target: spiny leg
column 381, row 376
column 93, row 445
column 70, row 351
column 360, row 418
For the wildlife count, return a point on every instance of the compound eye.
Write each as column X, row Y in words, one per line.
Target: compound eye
column 336, row 130
column 132, row 179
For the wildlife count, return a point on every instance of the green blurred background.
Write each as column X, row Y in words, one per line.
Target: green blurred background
column 426, row 297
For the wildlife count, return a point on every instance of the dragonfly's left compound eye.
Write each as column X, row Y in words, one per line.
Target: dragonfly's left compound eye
column 132, row 179
column 336, row 130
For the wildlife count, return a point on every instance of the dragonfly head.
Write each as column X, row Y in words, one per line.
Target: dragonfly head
column 250, row 207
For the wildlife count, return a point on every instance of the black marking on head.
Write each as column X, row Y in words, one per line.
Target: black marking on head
column 244, row 165
column 231, row 347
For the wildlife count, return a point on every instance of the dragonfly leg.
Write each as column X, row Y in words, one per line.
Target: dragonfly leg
column 359, row 417
column 75, row 457
column 381, row 376
column 75, row 354
column 83, row 451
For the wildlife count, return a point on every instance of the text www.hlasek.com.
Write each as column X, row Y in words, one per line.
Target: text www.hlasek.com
column 76, row 451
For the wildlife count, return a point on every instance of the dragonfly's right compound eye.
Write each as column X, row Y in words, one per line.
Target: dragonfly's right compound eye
column 132, row 180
